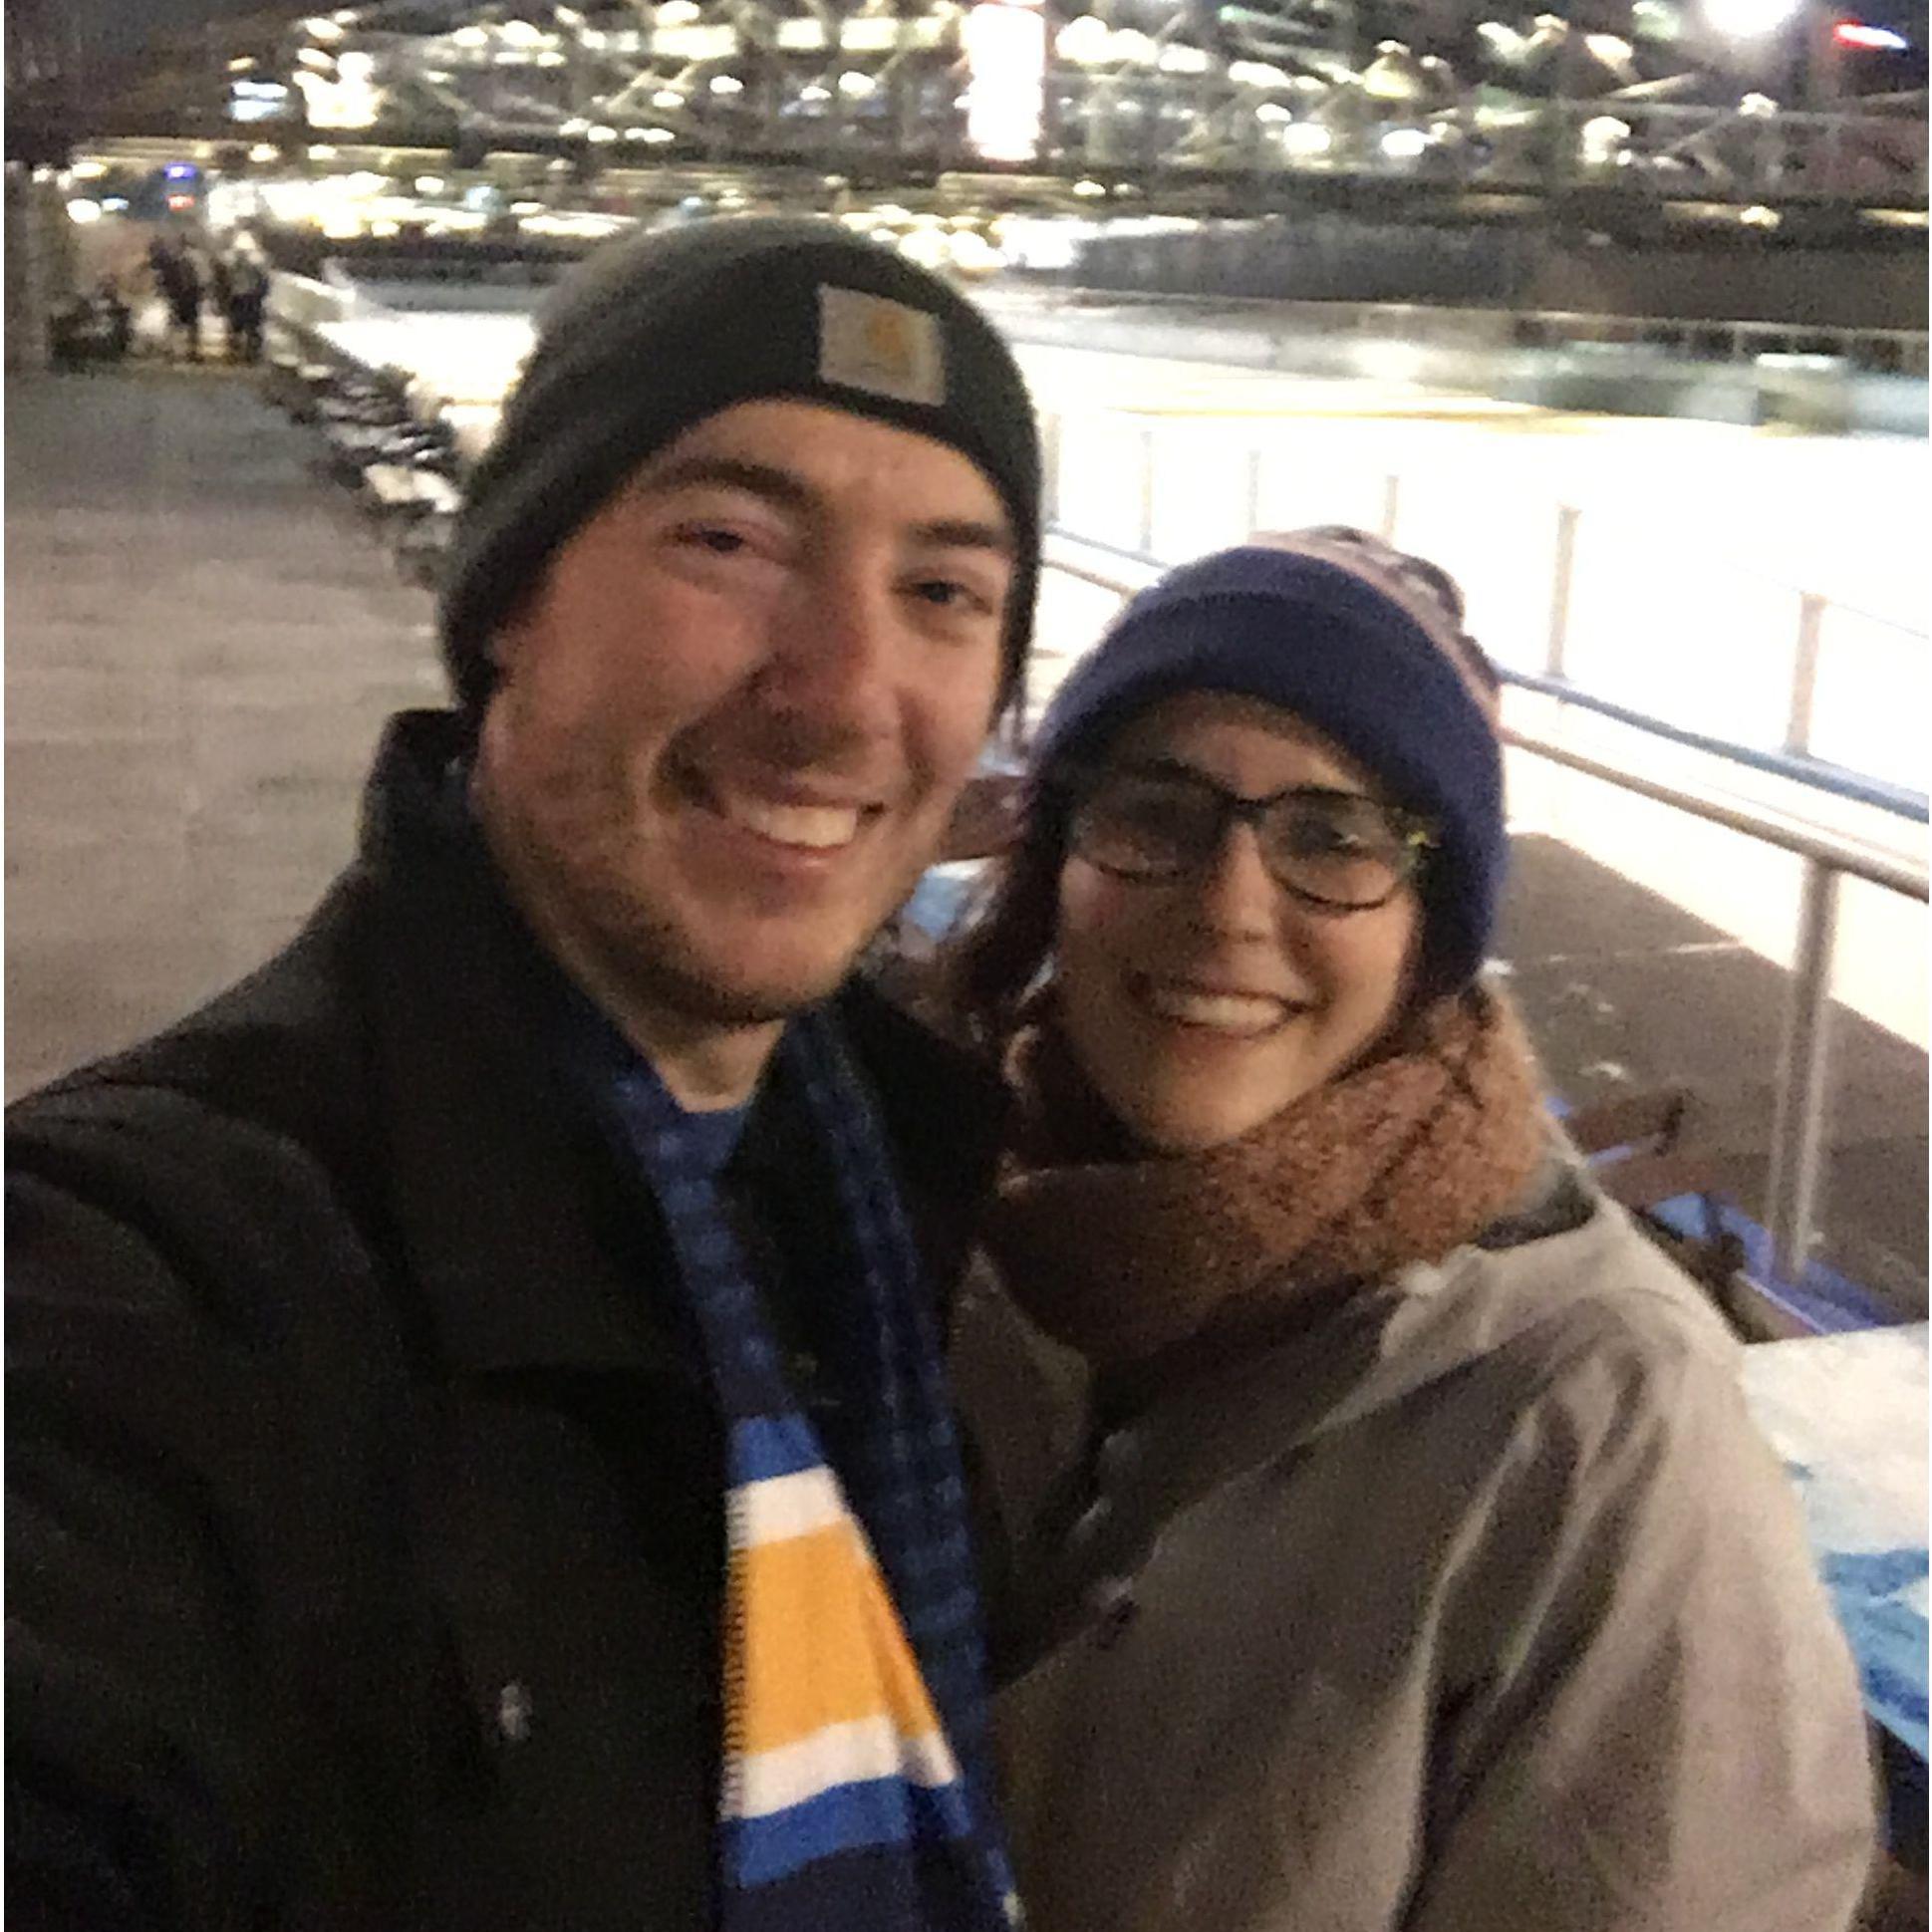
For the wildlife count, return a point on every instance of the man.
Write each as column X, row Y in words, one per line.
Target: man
column 477, row 1451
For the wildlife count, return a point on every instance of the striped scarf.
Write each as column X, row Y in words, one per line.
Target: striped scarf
column 855, row 1794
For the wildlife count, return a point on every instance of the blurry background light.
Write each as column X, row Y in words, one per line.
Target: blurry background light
column 1855, row 33
column 1749, row 19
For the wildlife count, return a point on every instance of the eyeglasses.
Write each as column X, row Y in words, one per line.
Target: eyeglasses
column 1335, row 849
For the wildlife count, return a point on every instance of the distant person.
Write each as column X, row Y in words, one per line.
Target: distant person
column 180, row 281
column 118, row 318
column 1423, row 1571
column 219, row 287
column 247, row 301
column 479, row 1447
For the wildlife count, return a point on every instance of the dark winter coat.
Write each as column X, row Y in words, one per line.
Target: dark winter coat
column 364, row 1547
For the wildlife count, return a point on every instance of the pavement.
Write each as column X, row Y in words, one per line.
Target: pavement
column 204, row 637
column 202, row 641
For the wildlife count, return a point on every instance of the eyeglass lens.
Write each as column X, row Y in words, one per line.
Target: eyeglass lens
column 1335, row 847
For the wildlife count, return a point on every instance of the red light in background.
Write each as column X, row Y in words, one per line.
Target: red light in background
column 178, row 201
column 1855, row 33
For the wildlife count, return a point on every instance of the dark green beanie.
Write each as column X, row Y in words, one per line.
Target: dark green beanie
column 659, row 331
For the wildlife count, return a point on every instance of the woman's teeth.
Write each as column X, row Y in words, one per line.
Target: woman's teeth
column 1226, row 1013
column 822, row 828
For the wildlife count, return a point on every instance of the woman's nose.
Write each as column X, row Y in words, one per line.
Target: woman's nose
column 1235, row 895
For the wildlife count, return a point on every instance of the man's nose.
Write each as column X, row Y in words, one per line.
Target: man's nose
column 833, row 658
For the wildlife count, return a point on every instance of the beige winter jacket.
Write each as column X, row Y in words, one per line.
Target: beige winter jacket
column 1481, row 1607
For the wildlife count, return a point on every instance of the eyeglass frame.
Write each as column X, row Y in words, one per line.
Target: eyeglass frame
column 1417, row 835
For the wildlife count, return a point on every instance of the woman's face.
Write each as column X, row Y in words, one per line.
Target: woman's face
column 1202, row 1007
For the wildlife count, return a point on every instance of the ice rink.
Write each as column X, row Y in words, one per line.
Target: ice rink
column 1694, row 546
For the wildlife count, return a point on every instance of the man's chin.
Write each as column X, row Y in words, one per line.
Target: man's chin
column 732, row 998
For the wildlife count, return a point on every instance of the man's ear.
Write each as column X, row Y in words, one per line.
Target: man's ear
column 510, row 637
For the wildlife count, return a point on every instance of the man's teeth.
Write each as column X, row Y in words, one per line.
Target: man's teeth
column 822, row 827
column 1230, row 1012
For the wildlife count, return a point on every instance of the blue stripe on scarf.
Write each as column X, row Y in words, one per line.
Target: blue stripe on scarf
column 768, row 1446
column 849, row 1817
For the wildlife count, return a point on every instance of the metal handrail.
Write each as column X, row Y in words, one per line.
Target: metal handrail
column 1796, row 1143
column 1813, row 774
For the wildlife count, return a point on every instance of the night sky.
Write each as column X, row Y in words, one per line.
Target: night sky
column 126, row 26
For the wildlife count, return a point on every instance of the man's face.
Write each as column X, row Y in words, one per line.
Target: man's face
column 732, row 720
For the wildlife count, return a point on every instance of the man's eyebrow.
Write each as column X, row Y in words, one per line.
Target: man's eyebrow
column 791, row 492
column 776, row 485
column 965, row 533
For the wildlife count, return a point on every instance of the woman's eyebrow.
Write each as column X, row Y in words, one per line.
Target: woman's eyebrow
column 1165, row 765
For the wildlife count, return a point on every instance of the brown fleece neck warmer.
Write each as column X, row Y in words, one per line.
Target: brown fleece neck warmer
column 1122, row 1254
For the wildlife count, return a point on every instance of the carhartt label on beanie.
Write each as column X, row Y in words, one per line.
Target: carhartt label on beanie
column 869, row 343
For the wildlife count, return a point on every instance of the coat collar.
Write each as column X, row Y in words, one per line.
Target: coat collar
column 533, row 1243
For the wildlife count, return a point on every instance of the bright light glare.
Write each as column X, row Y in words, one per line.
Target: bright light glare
column 264, row 152
column 1306, row 137
column 1404, row 144
column 1748, row 19
column 83, row 211
column 1855, row 33
column 727, row 84
column 1006, row 48
column 430, row 185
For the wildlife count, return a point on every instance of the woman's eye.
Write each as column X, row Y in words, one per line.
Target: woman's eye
column 1158, row 815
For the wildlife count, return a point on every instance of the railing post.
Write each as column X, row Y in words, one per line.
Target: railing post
column 1147, row 491
column 1391, row 505
column 1805, row 671
column 1050, row 469
column 1251, row 505
column 1798, row 1126
column 1560, row 580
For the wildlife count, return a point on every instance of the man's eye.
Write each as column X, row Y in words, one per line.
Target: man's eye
column 718, row 541
column 949, row 594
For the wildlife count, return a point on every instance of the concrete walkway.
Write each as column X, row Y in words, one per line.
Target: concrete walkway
column 202, row 641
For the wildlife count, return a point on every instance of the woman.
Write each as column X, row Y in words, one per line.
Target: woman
column 1423, row 1569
